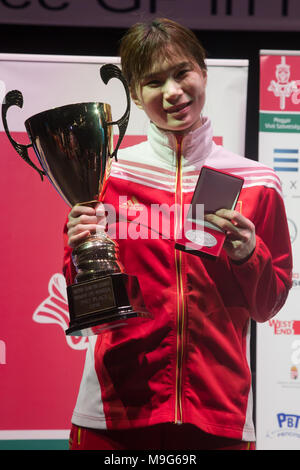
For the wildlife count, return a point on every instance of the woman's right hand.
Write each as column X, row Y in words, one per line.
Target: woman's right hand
column 84, row 221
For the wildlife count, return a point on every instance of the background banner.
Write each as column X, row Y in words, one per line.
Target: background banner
column 40, row 368
column 278, row 341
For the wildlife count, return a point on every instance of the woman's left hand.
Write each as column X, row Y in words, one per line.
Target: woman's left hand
column 240, row 233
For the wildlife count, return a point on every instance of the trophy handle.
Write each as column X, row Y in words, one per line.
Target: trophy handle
column 107, row 72
column 15, row 98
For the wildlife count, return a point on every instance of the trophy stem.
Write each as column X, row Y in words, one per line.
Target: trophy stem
column 96, row 257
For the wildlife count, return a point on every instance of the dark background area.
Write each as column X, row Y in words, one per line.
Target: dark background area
column 104, row 42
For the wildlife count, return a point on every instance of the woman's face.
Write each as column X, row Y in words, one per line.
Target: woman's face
column 173, row 94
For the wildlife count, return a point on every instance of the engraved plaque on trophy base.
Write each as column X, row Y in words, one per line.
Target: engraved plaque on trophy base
column 101, row 304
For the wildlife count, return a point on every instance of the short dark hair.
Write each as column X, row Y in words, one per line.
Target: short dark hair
column 144, row 43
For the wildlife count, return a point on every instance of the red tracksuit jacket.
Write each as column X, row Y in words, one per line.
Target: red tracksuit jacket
column 190, row 363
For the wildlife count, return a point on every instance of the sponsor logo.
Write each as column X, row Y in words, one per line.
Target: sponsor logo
column 288, row 426
column 54, row 310
column 282, row 87
column 285, row 327
column 294, row 372
column 285, row 160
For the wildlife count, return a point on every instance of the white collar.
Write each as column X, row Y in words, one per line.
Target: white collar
column 195, row 147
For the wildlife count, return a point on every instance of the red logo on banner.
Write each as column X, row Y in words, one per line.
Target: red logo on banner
column 54, row 310
column 280, row 83
column 285, row 327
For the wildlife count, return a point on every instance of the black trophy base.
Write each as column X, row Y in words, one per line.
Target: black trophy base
column 103, row 304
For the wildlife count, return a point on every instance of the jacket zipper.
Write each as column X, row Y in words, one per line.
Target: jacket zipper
column 179, row 286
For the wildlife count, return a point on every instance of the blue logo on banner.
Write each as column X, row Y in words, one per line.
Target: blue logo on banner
column 288, row 421
column 288, row 426
column 286, row 160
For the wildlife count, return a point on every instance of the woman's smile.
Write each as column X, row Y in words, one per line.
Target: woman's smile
column 176, row 109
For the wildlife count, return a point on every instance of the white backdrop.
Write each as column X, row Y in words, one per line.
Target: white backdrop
column 278, row 341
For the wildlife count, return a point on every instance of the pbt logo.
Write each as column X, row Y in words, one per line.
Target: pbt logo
column 288, row 421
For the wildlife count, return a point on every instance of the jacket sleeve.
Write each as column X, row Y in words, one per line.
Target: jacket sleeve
column 69, row 270
column 266, row 277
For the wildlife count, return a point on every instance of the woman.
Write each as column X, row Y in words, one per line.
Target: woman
column 181, row 381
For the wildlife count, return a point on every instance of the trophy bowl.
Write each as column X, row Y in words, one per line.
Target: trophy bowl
column 74, row 146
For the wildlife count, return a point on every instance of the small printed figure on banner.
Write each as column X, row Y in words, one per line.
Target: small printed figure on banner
column 283, row 87
column 2, row 352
